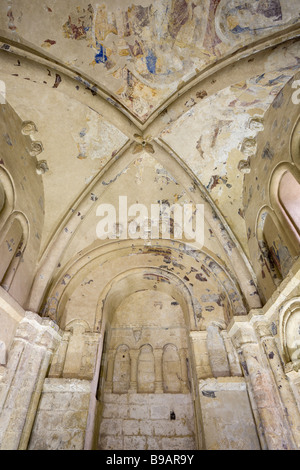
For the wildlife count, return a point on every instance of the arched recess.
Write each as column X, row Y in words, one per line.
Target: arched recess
column 13, row 242
column 118, row 257
column 53, row 258
column 285, row 200
column 7, row 196
column 117, row 290
column 274, row 247
column 289, row 331
column 139, row 279
column 24, row 199
column 114, row 255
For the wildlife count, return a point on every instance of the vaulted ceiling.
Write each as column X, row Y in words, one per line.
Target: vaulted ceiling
column 142, row 79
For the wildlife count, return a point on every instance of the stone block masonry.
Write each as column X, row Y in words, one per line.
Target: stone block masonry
column 62, row 415
column 140, row 421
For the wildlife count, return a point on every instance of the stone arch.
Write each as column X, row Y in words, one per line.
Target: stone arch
column 270, row 235
column 289, row 331
column 7, row 196
column 281, row 213
column 295, row 143
column 133, row 368
column 131, row 281
column 276, row 151
column 76, row 271
column 235, row 258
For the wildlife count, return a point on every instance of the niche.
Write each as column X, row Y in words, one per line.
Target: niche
column 289, row 198
column 171, row 369
column 121, row 374
column 146, row 373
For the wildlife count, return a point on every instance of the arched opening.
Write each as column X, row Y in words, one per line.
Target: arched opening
column 147, row 402
column 289, row 199
column 13, row 242
column 156, row 316
column 274, row 248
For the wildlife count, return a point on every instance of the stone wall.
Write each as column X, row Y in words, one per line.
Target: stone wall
column 144, row 421
column 228, row 422
column 22, row 378
column 61, row 416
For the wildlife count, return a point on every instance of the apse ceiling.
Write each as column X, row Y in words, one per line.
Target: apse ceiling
column 191, row 78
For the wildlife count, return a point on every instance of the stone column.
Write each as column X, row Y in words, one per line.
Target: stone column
column 158, row 353
column 200, row 352
column 110, row 371
column 59, row 357
column 274, row 427
column 216, row 351
column 75, row 349
column 91, row 341
column 134, row 354
column 232, row 356
column 290, row 408
column 184, row 372
column 29, row 358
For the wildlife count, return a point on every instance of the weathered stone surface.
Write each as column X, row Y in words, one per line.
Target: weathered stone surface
column 62, row 415
column 181, row 118
column 227, row 418
column 149, row 422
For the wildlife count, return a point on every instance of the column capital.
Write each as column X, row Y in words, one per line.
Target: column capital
column 263, row 330
column 134, row 354
column 158, row 354
column 40, row 331
column 242, row 333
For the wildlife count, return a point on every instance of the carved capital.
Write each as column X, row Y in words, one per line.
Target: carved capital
column 36, row 148
column 28, row 128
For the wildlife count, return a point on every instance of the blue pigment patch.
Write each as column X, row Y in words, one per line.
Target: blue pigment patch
column 238, row 29
column 8, row 141
column 151, row 60
column 101, row 57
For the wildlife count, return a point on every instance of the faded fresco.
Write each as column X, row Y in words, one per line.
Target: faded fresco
column 142, row 52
